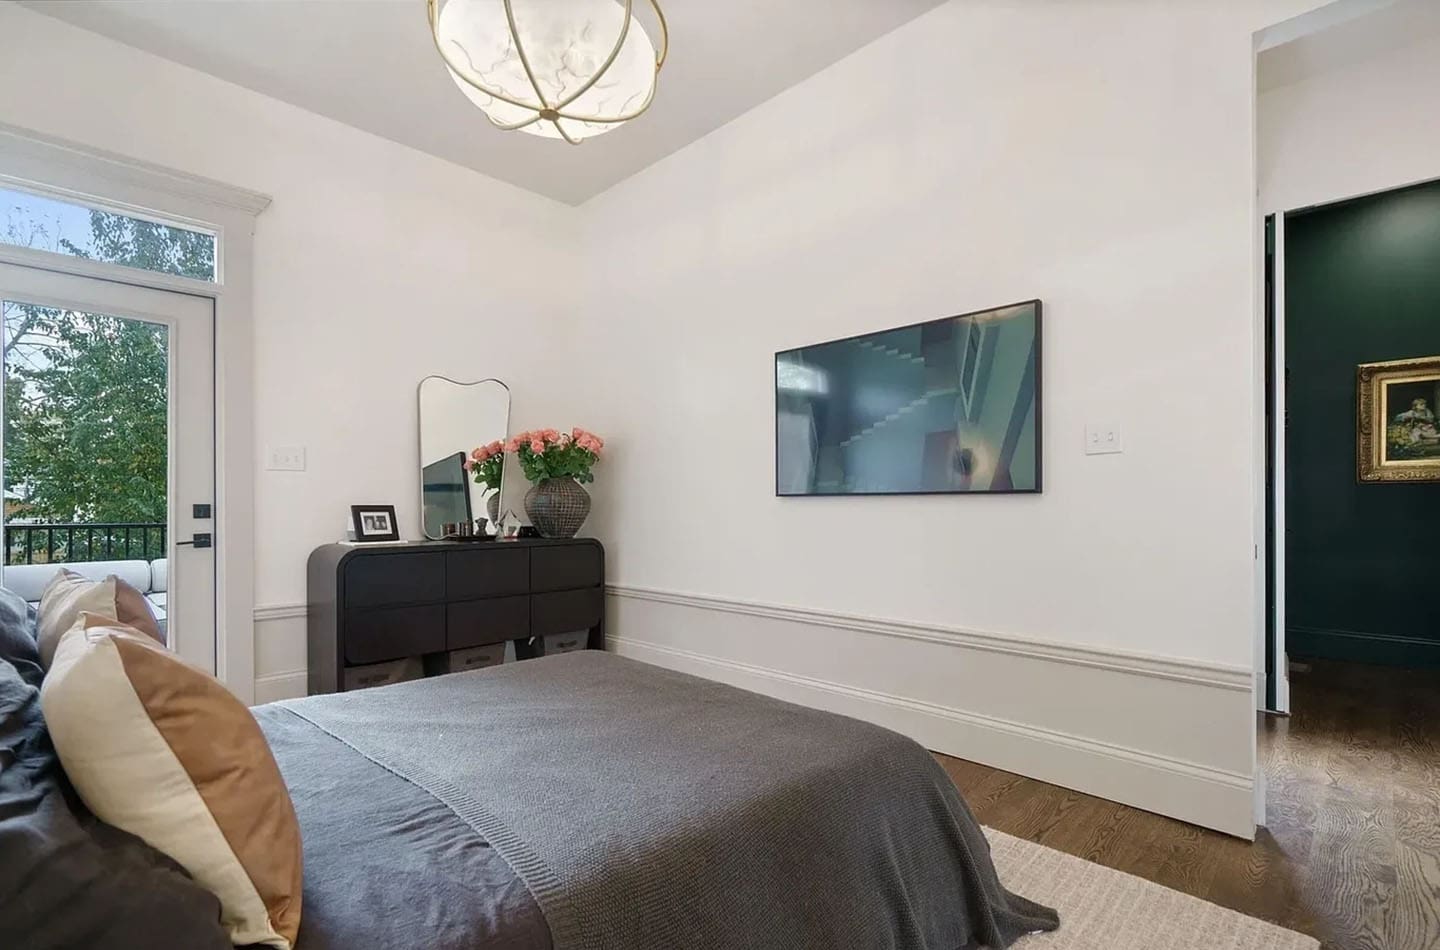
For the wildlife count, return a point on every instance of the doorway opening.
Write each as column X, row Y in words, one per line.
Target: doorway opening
column 108, row 445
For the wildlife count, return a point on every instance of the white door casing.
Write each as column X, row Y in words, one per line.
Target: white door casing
column 95, row 177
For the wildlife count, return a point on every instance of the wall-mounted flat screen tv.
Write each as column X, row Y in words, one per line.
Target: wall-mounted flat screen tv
column 948, row 406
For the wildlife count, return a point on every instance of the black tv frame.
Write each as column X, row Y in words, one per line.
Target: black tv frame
column 1039, row 409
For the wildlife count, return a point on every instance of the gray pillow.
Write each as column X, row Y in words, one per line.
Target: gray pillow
column 17, row 637
column 69, row 880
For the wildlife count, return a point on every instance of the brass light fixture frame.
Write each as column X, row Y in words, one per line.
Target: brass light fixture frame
column 548, row 111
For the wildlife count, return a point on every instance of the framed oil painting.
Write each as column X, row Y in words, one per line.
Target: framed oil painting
column 950, row 406
column 1398, row 424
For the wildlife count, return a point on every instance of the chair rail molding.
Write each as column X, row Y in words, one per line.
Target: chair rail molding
column 1062, row 713
column 1114, row 723
column 1219, row 675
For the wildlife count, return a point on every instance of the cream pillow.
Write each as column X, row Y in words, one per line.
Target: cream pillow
column 61, row 602
column 165, row 752
column 68, row 594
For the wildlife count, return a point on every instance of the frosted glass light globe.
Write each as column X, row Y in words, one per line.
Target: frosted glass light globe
column 570, row 69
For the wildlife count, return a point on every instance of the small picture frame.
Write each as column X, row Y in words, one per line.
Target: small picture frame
column 1397, row 433
column 375, row 522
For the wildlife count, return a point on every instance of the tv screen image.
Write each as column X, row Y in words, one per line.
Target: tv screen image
column 445, row 493
column 947, row 406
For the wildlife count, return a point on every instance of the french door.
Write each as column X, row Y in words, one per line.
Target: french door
column 109, row 442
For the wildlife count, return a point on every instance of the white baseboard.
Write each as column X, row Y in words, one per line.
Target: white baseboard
column 273, row 687
column 279, row 652
column 1169, row 736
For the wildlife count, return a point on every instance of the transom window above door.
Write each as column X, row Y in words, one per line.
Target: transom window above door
column 46, row 223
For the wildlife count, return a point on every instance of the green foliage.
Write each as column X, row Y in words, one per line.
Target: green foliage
column 569, row 461
column 158, row 247
column 86, row 428
column 487, row 473
column 571, row 455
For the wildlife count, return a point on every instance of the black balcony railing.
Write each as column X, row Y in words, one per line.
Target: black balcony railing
column 72, row 543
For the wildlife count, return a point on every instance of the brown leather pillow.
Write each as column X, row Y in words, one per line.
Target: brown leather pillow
column 162, row 750
column 133, row 610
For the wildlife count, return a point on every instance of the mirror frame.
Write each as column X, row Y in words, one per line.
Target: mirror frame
column 419, row 437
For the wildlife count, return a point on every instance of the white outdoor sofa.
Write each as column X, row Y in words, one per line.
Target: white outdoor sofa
column 148, row 577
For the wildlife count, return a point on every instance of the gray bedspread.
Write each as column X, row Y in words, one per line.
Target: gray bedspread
column 644, row 808
column 387, row 865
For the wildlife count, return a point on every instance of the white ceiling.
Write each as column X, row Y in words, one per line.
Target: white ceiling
column 1381, row 27
column 372, row 64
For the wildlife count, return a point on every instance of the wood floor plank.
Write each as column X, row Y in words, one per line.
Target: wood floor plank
column 1351, row 849
column 1412, row 919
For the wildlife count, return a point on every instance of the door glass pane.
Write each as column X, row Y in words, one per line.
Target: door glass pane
column 85, row 448
column 62, row 227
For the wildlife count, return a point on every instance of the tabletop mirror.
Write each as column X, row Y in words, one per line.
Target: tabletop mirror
column 456, row 419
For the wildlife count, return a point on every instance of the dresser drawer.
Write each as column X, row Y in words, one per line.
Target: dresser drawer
column 380, row 579
column 566, row 566
column 565, row 611
column 495, row 571
column 378, row 634
column 478, row 622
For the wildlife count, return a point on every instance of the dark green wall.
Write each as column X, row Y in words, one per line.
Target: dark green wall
column 1362, row 284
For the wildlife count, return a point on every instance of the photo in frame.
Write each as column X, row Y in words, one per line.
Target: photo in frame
column 374, row 523
column 1398, row 421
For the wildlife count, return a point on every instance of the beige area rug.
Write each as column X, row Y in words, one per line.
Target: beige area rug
column 1104, row 909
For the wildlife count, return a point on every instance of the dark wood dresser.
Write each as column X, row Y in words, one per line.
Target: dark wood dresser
column 373, row 604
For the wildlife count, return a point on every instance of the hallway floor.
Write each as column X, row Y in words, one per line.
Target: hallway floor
column 1351, row 851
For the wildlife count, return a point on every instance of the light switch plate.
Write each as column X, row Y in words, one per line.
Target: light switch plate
column 286, row 458
column 1103, row 439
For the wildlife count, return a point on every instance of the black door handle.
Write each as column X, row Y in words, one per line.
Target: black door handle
column 198, row 540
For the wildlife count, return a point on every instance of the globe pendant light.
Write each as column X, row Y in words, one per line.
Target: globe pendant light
column 566, row 69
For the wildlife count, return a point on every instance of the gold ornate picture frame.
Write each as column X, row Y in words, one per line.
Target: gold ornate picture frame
column 1397, row 432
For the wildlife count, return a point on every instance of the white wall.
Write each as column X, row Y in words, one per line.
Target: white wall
column 1093, row 154
column 1362, row 126
column 375, row 265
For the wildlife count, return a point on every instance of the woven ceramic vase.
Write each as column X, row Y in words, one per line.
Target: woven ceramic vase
column 557, row 507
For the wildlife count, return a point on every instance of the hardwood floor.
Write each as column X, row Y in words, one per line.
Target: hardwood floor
column 1351, row 851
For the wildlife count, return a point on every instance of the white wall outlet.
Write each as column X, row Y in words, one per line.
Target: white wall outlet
column 286, row 458
column 1103, row 439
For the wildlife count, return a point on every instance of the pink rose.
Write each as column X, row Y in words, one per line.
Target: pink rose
column 469, row 464
column 588, row 439
column 537, row 446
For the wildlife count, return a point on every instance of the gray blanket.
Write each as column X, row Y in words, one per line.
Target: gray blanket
column 387, row 865
column 644, row 809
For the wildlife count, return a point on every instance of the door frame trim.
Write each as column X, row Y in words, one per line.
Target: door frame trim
column 1275, row 379
column 75, row 172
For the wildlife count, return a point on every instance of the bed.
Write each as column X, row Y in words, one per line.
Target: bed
column 589, row 801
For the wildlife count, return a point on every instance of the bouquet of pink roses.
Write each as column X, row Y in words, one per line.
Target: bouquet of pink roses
column 550, row 453
column 486, row 462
